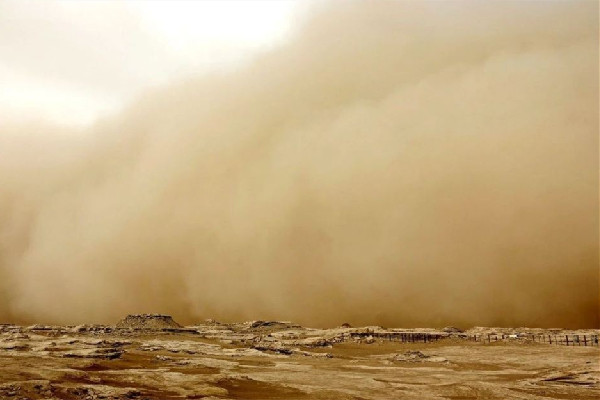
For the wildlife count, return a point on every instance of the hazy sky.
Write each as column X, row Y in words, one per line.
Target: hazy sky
column 70, row 61
column 372, row 162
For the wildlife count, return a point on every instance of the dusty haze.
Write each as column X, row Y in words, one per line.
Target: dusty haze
column 395, row 163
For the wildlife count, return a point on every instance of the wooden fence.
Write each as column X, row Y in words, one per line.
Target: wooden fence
column 425, row 337
column 564, row 340
column 403, row 337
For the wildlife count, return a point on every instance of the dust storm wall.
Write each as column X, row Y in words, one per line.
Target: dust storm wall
column 395, row 163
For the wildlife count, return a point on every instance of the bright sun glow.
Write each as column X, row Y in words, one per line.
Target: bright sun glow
column 72, row 62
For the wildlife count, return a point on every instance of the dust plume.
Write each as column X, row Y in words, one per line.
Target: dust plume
column 395, row 163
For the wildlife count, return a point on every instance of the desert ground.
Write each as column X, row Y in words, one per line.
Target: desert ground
column 151, row 357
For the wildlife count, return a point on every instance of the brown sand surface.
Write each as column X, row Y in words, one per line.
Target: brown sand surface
column 284, row 361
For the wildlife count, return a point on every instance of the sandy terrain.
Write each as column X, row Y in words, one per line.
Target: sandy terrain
column 273, row 360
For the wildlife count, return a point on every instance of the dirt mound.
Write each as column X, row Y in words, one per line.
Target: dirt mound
column 416, row 356
column 452, row 329
column 148, row 321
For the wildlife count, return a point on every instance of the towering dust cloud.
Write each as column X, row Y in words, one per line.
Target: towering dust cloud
column 395, row 163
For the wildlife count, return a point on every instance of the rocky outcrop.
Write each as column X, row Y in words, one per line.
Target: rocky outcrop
column 415, row 356
column 148, row 322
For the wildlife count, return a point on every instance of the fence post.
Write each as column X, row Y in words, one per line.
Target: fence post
column 567, row 338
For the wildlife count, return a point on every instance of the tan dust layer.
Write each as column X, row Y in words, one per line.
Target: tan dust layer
column 393, row 163
column 278, row 360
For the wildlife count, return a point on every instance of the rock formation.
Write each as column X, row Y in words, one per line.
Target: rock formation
column 148, row 321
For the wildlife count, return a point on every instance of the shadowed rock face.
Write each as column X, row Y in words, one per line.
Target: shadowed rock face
column 148, row 321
